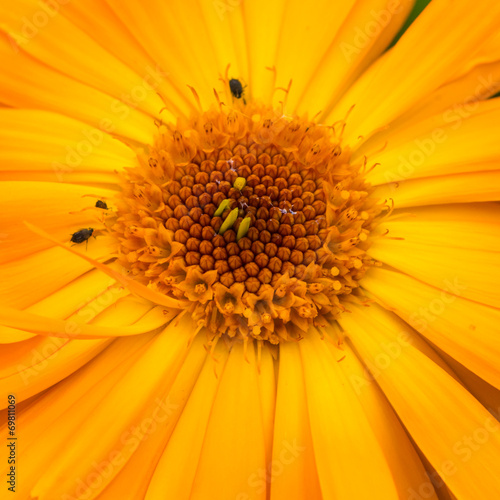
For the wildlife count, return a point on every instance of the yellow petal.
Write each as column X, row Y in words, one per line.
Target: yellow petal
column 180, row 26
column 80, row 57
column 476, row 186
column 225, row 30
column 28, row 83
column 452, row 429
column 293, row 468
column 460, row 95
column 176, row 469
column 134, row 286
column 61, row 149
column 87, row 296
column 355, row 42
column 36, row 276
column 44, row 363
column 49, row 204
column 485, row 393
column 262, row 35
column 267, row 388
column 306, row 34
column 447, row 143
column 345, row 446
column 235, row 426
column 438, row 252
column 110, row 32
column 465, row 330
column 407, row 469
column 46, row 423
column 134, row 478
column 12, row 335
column 116, row 417
column 420, row 62
column 75, row 328
column 475, row 222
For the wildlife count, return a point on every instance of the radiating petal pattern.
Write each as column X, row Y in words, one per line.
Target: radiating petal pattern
column 286, row 287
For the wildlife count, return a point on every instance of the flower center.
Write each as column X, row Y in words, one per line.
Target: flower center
column 259, row 220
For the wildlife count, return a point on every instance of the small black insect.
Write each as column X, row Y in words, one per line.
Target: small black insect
column 236, row 88
column 101, row 204
column 82, row 235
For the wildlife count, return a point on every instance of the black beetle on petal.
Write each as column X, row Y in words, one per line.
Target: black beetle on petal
column 82, row 235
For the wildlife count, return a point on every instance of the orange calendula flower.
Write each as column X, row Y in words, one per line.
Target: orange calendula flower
column 249, row 250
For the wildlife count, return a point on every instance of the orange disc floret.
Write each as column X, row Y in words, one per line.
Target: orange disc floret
column 259, row 220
